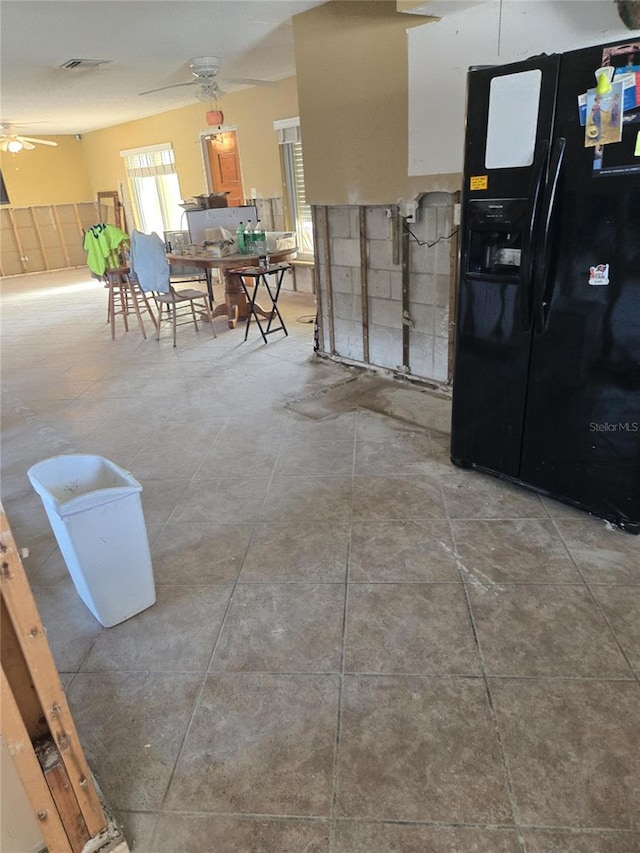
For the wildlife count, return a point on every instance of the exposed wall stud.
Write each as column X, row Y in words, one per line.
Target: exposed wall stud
column 36, row 228
column 318, row 284
column 406, row 316
column 16, row 236
column 364, row 285
column 63, row 244
column 33, row 659
column 327, row 262
column 395, row 234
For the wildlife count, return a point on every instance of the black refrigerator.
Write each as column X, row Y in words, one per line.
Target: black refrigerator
column 546, row 388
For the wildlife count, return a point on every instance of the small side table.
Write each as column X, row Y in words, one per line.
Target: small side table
column 271, row 280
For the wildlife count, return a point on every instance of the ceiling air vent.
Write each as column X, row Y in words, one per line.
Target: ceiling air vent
column 83, row 64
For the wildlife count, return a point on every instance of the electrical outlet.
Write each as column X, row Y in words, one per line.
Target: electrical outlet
column 411, row 211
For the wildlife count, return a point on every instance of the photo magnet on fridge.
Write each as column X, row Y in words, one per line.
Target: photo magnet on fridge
column 604, row 117
column 630, row 79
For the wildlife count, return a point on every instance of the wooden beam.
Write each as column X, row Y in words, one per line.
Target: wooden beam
column 79, row 224
column 57, row 778
column 32, row 639
column 63, row 242
column 327, row 263
column 406, row 308
column 364, row 283
column 28, row 768
column 395, row 234
column 19, row 678
column 36, row 228
column 16, row 237
column 317, row 283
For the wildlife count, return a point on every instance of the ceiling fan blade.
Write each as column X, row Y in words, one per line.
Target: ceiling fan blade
column 248, row 81
column 39, row 141
column 28, row 146
column 175, row 86
column 4, row 142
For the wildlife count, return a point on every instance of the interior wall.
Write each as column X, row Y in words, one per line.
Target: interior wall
column 351, row 63
column 367, row 309
column 251, row 111
column 77, row 169
column 47, row 175
column 441, row 52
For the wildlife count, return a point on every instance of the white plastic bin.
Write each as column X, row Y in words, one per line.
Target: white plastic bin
column 95, row 512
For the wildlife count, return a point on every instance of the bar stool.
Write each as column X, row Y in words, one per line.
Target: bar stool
column 125, row 298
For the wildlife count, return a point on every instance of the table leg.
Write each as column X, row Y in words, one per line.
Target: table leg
column 235, row 303
column 274, row 299
column 256, row 310
column 228, row 308
column 207, row 273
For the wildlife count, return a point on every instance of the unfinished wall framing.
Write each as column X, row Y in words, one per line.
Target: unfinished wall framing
column 37, row 726
column 47, row 237
column 385, row 289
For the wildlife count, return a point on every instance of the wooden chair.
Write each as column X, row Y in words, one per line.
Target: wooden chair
column 180, row 303
column 151, row 269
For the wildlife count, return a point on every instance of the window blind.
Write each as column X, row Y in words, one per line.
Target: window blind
column 149, row 162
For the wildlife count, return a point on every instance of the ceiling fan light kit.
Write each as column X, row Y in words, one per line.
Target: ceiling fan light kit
column 14, row 143
column 205, row 72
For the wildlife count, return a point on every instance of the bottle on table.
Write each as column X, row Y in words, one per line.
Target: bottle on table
column 240, row 238
column 259, row 239
column 248, row 238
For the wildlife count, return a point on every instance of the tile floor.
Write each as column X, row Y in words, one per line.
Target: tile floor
column 356, row 647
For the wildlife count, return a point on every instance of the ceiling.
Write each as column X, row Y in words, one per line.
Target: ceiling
column 148, row 44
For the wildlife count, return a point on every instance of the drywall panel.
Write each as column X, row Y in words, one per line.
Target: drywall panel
column 49, row 237
column 351, row 63
column 440, row 53
column 31, row 246
column 19, row 830
column 10, row 261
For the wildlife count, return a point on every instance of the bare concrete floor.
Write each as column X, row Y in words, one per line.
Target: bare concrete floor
column 356, row 647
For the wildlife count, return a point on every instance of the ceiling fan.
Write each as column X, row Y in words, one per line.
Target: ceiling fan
column 14, row 142
column 205, row 72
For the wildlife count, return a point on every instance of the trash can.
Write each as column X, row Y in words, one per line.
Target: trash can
column 95, row 512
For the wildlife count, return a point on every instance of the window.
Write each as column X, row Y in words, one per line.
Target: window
column 153, row 188
column 4, row 195
column 296, row 207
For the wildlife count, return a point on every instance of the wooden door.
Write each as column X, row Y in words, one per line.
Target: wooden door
column 224, row 159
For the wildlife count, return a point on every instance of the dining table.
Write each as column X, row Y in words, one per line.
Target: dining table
column 235, row 305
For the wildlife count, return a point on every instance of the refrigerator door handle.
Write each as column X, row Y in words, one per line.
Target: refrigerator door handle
column 543, row 289
column 526, row 299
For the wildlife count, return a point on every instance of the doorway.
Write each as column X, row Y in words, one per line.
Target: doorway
column 224, row 166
